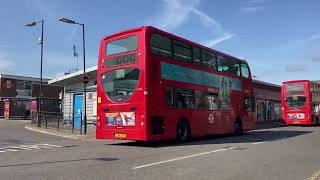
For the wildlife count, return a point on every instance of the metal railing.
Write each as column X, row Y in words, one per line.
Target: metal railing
column 56, row 120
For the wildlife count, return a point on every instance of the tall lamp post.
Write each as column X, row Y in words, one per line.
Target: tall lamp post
column 41, row 59
column 69, row 21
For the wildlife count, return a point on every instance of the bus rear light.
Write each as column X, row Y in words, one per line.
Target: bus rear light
column 282, row 108
column 98, row 121
column 142, row 123
column 145, row 93
column 99, row 100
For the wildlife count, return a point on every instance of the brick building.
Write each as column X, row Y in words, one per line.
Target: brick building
column 16, row 92
column 268, row 101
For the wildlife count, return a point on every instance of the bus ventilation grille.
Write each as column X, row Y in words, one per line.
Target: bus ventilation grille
column 157, row 125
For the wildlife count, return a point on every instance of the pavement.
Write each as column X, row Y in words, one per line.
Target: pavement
column 285, row 153
column 91, row 132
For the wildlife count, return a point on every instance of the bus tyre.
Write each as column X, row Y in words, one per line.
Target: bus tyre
column 238, row 129
column 183, row 131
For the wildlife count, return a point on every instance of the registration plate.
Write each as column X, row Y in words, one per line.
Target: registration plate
column 120, row 135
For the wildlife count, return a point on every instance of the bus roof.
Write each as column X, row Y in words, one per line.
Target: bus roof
column 295, row 81
column 145, row 28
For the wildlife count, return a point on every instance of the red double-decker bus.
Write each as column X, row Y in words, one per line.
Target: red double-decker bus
column 153, row 85
column 300, row 102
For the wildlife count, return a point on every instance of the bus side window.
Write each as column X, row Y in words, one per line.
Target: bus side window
column 182, row 51
column 237, row 69
column 221, row 64
column 245, row 71
column 208, row 59
column 169, row 96
column 196, row 56
column 184, row 98
column 199, row 99
column 211, row 101
column 160, row 45
column 227, row 65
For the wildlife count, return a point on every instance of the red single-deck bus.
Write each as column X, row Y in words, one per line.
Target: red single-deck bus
column 153, row 86
column 300, row 102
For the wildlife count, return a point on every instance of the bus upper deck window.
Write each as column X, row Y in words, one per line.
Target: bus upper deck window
column 122, row 45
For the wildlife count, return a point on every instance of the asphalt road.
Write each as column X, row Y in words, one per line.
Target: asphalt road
column 279, row 153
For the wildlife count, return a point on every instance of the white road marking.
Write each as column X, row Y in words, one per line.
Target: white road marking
column 13, row 150
column 28, row 147
column 279, row 139
column 259, row 142
column 180, row 158
column 50, row 145
column 19, row 147
column 2, row 151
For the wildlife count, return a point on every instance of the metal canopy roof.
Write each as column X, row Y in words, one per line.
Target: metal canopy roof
column 74, row 77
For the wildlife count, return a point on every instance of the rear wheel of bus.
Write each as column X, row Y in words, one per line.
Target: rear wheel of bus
column 183, row 130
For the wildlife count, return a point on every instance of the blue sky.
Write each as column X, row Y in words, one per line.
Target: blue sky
column 279, row 38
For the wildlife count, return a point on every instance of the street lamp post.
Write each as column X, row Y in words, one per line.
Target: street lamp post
column 41, row 59
column 69, row 21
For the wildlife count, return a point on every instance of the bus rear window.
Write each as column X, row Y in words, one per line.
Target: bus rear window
column 122, row 45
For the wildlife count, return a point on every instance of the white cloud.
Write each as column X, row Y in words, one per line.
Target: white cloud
column 175, row 13
column 252, row 9
column 314, row 37
column 5, row 63
column 295, row 68
column 178, row 12
column 256, row 1
column 219, row 39
column 207, row 20
column 252, row 6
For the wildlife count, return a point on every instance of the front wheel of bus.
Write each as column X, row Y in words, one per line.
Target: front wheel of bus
column 183, row 131
column 238, row 129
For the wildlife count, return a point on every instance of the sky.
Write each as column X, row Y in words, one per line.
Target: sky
column 280, row 39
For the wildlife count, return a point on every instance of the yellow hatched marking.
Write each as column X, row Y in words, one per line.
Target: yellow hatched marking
column 315, row 176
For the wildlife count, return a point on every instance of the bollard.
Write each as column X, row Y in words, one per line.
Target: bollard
column 80, row 123
column 72, row 122
column 46, row 122
column 58, row 123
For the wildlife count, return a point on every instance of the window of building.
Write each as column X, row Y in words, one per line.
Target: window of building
column 182, row 51
column 169, row 96
column 196, row 56
column 245, row 71
column 208, row 60
column 184, row 98
column 249, row 104
column 89, row 95
column 160, row 45
column 211, row 101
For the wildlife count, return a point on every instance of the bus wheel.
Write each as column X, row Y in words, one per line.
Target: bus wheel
column 238, row 129
column 183, row 131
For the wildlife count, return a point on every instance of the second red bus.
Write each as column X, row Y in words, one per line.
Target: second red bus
column 300, row 102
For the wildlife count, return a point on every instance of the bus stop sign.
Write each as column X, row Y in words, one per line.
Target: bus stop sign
column 85, row 79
